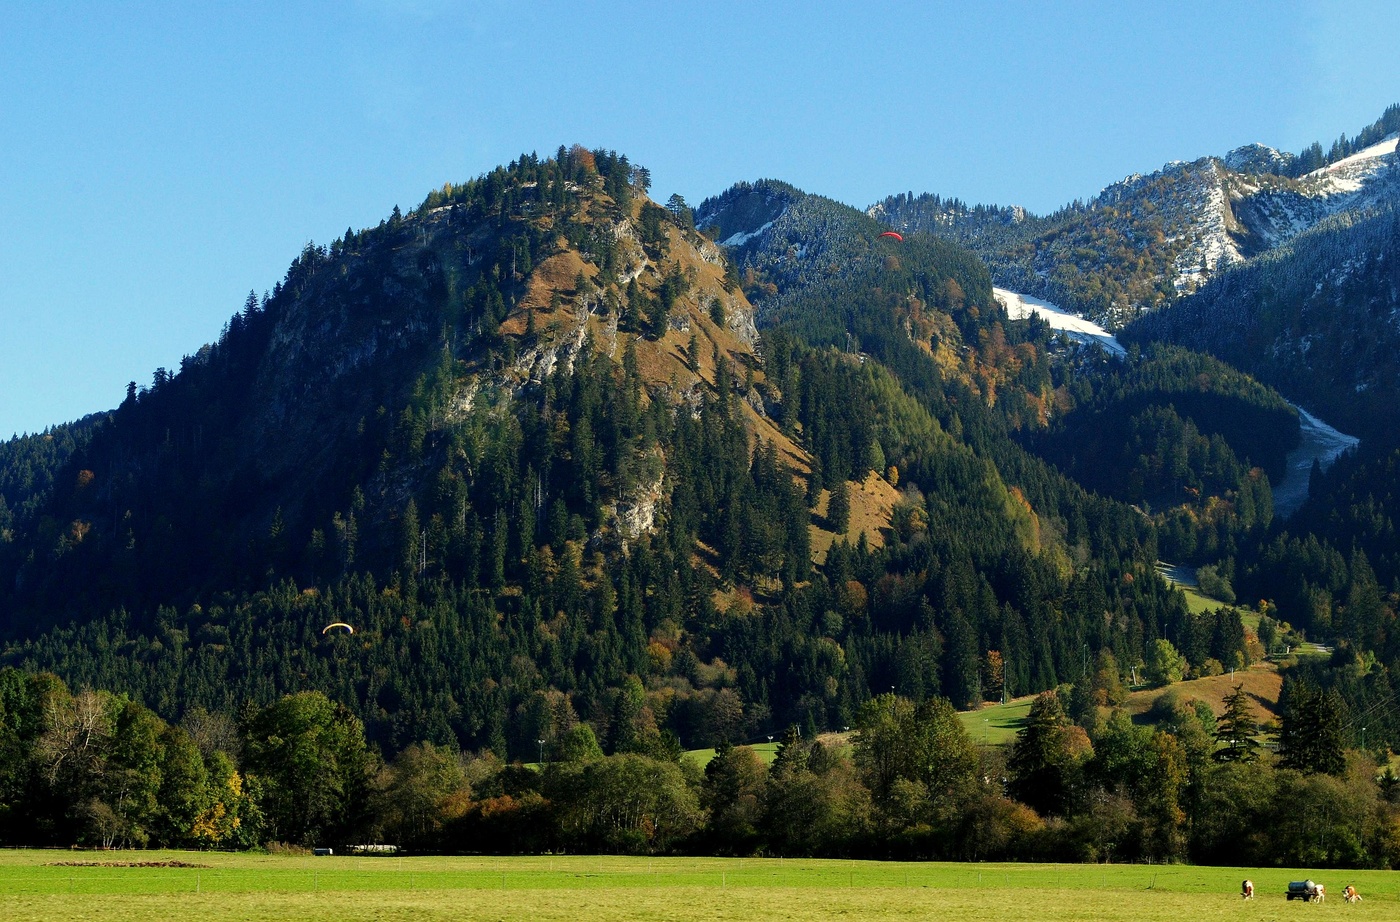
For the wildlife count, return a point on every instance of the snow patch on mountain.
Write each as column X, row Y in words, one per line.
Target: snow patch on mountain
column 741, row 238
column 1019, row 307
column 1319, row 442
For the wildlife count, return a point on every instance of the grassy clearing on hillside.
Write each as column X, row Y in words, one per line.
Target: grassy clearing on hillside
column 766, row 751
column 1261, row 682
column 872, row 503
column 1197, row 602
column 997, row 724
column 241, row 887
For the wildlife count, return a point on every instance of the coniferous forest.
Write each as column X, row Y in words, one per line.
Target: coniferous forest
column 465, row 531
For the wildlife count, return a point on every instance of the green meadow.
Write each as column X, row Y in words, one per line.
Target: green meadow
column 35, row 885
column 768, row 752
column 997, row 724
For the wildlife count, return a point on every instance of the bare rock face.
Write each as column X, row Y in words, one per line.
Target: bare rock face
column 634, row 515
column 739, row 319
column 539, row 361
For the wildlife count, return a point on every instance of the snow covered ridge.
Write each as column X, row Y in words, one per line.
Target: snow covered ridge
column 1259, row 158
column 1275, row 213
column 1229, row 209
column 1360, row 158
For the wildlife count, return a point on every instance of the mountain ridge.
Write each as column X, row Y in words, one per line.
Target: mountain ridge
column 1172, row 229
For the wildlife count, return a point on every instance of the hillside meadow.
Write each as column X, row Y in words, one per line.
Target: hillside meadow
column 50, row 885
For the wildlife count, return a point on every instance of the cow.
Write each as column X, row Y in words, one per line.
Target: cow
column 1319, row 894
column 1350, row 894
column 1247, row 889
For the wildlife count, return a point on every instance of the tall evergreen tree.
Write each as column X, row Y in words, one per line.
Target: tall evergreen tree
column 1312, row 733
column 838, row 507
column 1236, row 729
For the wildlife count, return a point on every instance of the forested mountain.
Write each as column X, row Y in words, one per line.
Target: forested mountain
column 460, row 432
column 1315, row 317
column 28, row 464
column 538, row 470
column 520, row 440
column 1182, row 436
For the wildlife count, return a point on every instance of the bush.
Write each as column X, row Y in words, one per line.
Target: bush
column 1215, row 585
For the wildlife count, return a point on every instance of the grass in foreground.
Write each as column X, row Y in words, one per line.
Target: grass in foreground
column 243, row 887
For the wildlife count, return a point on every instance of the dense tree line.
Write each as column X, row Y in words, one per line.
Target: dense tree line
column 29, row 463
column 1331, row 571
column 1314, row 157
column 1079, row 783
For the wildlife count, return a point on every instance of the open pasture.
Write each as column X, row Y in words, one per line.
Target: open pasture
column 997, row 724
column 245, row 887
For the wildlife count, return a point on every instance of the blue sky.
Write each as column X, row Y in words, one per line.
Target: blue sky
column 158, row 160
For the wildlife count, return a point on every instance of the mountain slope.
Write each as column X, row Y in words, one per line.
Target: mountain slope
column 365, row 369
column 1316, row 318
column 520, row 440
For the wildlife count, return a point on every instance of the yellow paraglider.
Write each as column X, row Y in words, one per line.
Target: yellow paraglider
column 347, row 627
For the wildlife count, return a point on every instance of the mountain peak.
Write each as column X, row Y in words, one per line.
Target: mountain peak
column 1260, row 158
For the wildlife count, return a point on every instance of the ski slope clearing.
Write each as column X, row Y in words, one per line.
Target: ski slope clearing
column 1319, row 442
column 1019, row 307
column 1375, row 150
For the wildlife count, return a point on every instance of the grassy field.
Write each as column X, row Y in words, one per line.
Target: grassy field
column 1184, row 579
column 245, row 887
column 997, row 724
column 766, row 751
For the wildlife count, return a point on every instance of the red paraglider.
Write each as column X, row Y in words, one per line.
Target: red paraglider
column 898, row 237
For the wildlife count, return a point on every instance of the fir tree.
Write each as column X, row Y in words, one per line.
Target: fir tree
column 1311, row 738
column 1236, row 729
column 838, row 507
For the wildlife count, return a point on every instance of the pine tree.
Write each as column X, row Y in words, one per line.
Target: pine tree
column 1236, row 729
column 1310, row 738
column 1043, row 768
column 838, row 507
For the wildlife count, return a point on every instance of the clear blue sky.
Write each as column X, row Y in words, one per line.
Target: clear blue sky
column 158, row 160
